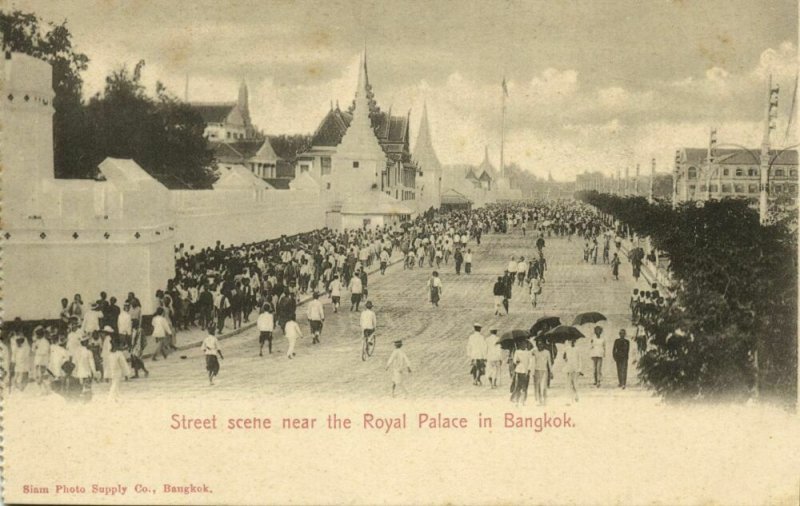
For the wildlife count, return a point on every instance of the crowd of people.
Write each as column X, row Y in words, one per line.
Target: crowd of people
column 105, row 341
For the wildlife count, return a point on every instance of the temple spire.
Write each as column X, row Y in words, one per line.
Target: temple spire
column 423, row 149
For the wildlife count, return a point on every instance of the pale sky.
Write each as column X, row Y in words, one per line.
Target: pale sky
column 593, row 84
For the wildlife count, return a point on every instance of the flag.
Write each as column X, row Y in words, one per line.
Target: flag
column 505, row 87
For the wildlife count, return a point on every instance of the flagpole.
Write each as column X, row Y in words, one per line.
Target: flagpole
column 503, row 132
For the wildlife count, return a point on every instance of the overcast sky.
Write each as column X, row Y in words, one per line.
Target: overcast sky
column 593, row 85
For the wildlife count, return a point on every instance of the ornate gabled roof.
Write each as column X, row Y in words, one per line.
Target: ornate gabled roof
column 259, row 150
column 213, row 112
column 486, row 165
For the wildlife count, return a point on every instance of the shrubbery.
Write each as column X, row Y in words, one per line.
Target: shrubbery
column 731, row 330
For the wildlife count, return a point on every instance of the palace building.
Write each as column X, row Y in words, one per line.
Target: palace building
column 429, row 183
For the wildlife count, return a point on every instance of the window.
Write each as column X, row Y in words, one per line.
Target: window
column 779, row 172
column 228, row 135
column 752, row 188
column 702, row 187
column 692, row 173
column 739, row 172
column 325, row 162
column 328, row 187
column 793, row 172
column 355, row 165
column 726, row 188
column 792, row 188
column 726, row 172
column 713, row 188
column 738, row 188
column 752, row 172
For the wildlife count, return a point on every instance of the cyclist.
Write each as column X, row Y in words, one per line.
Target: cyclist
column 368, row 322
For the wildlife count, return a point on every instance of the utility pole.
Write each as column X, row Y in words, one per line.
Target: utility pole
column 675, row 179
column 652, row 180
column 636, row 181
column 619, row 182
column 711, row 159
column 769, row 126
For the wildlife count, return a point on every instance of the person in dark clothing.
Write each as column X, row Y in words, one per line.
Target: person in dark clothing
column 498, row 291
column 620, row 353
column 459, row 259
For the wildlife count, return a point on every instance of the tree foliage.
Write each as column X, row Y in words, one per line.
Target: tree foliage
column 733, row 320
column 163, row 134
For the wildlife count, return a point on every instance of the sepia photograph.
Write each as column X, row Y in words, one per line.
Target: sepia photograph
column 399, row 252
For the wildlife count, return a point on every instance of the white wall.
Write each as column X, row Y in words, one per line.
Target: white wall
column 234, row 217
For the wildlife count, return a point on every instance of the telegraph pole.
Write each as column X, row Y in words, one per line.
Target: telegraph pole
column 627, row 177
column 619, row 183
column 675, row 179
column 652, row 180
column 636, row 181
column 710, row 160
column 769, row 126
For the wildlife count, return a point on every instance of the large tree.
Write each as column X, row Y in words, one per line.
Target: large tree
column 26, row 33
column 162, row 134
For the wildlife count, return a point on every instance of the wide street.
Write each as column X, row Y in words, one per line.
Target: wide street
column 434, row 338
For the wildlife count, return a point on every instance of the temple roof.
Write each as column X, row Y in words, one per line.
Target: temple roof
column 213, row 112
column 391, row 131
column 255, row 150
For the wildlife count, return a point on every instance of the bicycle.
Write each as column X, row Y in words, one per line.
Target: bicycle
column 368, row 344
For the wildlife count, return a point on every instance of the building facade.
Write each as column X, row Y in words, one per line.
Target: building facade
column 733, row 173
column 227, row 121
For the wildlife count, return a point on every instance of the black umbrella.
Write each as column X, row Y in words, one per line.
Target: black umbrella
column 590, row 317
column 544, row 324
column 512, row 338
column 562, row 333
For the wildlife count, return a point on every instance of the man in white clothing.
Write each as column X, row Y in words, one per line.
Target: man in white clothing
column 476, row 351
column 316, row 317
column 398, row 362
column 572, row 366
column 368, row 321
column 293, row 333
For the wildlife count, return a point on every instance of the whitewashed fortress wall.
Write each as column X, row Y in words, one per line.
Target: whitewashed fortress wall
column 61, row 237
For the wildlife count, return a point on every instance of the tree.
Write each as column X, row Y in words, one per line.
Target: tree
column 732, row 324
column 163, row 135
column 26, row 33
column 289, row 146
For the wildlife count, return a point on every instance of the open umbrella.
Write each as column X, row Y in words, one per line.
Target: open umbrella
column 590, row 317
column 544, row 324
column 512, row 338
column 562, row 334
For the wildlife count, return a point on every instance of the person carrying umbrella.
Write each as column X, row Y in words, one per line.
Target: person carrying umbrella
column 541, row 371
column 572, row 367
column 494, row 358
column 522, row 363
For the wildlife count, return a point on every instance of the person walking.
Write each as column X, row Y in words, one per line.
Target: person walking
column 316, row 318
column 621, row 352
column 161, row 332
column 541, row 371
column 210, row 348
column 356, row 289
column 266, row 326
column 522, row 364
column 597, row 350
column 384, row 261
column 572, row 367
column 435, row 288
column 499, row 291
column 458, row 257
column 476, row 352
column 615, row 263
column 335, row 292
column 494, row 358
column 398, row 363
column 117, row 368
column 468, row 262
column 293, row 333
